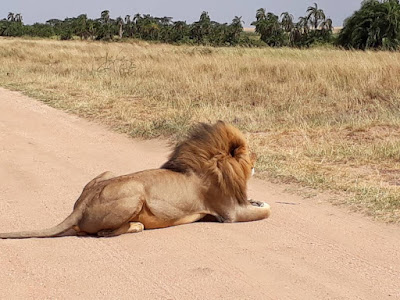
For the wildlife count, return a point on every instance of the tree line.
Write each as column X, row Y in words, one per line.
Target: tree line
column 146, row 27
column 375, row 25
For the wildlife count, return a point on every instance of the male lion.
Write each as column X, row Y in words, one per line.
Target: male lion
column 206, row 174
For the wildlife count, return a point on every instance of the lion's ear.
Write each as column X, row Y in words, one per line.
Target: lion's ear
column 234, row 150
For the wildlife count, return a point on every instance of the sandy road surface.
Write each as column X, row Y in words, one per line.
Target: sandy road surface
column 310, row 250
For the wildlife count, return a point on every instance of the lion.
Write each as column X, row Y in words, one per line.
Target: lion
column 205, row 175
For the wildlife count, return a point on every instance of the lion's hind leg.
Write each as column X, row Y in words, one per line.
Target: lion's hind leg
column 103, row 176
column 130, row 227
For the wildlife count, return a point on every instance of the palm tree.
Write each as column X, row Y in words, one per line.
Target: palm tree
column 327, row 25
column 303, row 25
column 128, row 26
column 120, row 22
column 202, row 28
column 234, row 30
column 137, row 18
column 287, row 21
column 326, row 30
column 261, row 14
column 18, row 18
column 237, row 23
column 105, row 26
column 11, row 17
column 105, row 16
column 274, row 31
column 269, row 27
column 315, row 15
column 295, row 36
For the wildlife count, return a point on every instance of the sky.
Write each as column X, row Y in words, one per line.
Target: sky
column 181, row 10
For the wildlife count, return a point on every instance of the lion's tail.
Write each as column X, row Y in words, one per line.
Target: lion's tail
column 65, row 225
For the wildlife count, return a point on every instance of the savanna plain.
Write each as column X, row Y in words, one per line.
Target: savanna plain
column 321, row 118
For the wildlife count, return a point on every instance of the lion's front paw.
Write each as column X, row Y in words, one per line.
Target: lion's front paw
column 258, row 203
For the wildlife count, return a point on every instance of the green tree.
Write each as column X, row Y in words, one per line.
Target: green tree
column 129, row 26
column 269, row 28
column 234, row 31
column 217, row 35
column 315, row 16
column 202, row 28
column 104, row 28
column 71, row 27
column 81, row 26
column 375, row 25
column 91, row 29
column 261, row 14
column 13, row 26
column 180, row 31
column 40, row 30
column 148, row 27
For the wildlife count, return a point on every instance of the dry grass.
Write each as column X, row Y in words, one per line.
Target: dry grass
column 323, row 118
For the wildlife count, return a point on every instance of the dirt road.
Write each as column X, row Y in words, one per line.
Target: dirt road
column 308, row 249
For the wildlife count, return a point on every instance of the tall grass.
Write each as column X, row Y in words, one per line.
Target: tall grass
column 323, row 118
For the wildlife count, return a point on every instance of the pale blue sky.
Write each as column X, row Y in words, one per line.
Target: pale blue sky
column 219, row 10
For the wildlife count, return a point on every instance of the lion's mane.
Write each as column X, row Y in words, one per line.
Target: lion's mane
column 217, row 153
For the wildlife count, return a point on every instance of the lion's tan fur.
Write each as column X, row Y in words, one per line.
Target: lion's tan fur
column 206, row 174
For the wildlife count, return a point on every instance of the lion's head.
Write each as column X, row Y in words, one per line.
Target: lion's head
column 217, row 153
